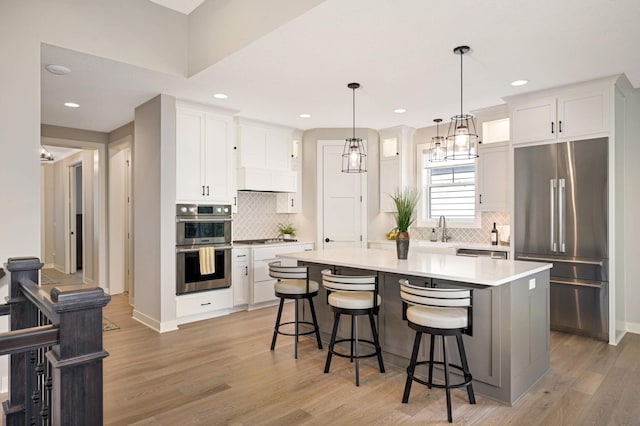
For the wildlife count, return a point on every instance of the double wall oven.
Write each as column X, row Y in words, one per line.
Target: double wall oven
column 198, row 227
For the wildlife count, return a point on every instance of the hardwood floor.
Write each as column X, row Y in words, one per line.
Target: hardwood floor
column 221, row 371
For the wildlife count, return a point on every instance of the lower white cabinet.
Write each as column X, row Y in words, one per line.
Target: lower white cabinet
column 203, row 305
column 261, row 283
column 240, row 276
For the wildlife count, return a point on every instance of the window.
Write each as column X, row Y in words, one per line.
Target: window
column 447, row 189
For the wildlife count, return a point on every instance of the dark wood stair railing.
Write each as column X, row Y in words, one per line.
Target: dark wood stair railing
column 55, row 350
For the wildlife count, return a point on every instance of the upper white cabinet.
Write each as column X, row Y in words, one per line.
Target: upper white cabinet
column 573, row 115
column 493, row 168
column 291, row 202
column 264, row 157
column 395, row 163
column 204, row 155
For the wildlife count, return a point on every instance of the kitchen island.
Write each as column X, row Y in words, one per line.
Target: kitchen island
column 508, row 350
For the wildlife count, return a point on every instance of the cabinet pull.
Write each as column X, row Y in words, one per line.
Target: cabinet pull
column 480, row 198
column 560, row 126
column 205, row 304
column 292, row 202
column 203, row 190
column 235, row 201
column 246, row 270
column 207, row 190
column 552, row 127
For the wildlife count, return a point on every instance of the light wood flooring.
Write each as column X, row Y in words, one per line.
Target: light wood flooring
column 221, row 372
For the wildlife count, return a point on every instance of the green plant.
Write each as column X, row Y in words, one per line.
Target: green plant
column 405, row 202
column 286, row 228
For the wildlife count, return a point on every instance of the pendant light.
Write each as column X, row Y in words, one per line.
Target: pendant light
column 438, row 146
column 354, row 158
column 45, row 155
column 462, row 137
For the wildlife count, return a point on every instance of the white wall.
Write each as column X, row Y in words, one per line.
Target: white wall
column 154, row 180
column 117, row 220
column 48, row 215
column 632, row 207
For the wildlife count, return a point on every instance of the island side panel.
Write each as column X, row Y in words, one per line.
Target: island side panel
column 529, row 333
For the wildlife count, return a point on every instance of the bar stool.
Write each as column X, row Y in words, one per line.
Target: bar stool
column 438, row 312
column 293, row 283
column 355, row 296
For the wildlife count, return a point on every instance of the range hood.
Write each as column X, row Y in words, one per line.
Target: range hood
column 265, row 180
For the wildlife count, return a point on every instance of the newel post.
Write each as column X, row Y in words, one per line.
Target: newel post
column 23, row 315
column 77, row 361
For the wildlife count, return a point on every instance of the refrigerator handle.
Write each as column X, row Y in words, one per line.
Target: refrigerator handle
column 561, row 214
column 552, row 211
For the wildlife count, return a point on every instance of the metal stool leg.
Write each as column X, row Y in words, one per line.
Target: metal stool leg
column 412, row 367
column 376, row 342
column 351, row 342
column 336, row 320
column 465, row 369
column 433, row 343
column 446, row 380
column 296, row 325
column 315, row 322
column 355, row 318
column 275, row 330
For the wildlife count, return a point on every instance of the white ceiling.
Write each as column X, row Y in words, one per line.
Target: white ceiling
column 182, row 6
column 401, row 56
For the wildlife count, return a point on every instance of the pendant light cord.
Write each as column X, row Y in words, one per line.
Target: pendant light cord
column 461, row 53
column 354, row 113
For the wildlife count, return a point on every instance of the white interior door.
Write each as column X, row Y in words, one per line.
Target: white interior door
column 73, row 205
column 341, row 200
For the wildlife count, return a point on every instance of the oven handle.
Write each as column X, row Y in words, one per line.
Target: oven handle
column 217, row 219
column 191, row 250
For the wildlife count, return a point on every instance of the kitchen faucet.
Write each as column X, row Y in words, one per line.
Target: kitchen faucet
column 442, row 224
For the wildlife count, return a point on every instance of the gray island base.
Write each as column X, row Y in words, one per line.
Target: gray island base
column 509, row 349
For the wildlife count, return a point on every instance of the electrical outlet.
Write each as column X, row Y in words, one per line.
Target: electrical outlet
column 532, row 283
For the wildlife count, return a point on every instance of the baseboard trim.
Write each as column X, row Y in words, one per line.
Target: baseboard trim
column 633, row 327
column 49, row 266
column 152, row 323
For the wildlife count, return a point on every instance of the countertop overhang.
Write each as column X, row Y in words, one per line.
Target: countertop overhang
column 475, row 270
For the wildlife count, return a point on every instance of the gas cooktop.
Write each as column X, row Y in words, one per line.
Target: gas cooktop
column 265, row 241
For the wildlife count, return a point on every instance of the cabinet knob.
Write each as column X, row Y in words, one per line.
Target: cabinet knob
column 326, row 240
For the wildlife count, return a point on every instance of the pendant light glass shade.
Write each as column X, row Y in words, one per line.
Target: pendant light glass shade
column 438, row 146
column 354, row 157
column 45, row 155
column 462, row 137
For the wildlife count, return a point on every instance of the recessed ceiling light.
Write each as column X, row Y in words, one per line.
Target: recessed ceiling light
column 305, row 115
column 72, row 105
column 58, row 69
column 400, row 110
column 519, row 82
column 220, row 96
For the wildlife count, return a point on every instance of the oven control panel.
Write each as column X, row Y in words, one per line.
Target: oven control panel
column 205, row 210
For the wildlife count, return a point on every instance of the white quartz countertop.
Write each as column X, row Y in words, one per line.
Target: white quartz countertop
column 476, row 270
column 449, row 244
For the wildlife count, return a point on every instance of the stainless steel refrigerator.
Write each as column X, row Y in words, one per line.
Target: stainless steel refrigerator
column 561, row 216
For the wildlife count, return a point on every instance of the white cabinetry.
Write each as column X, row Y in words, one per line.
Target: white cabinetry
column 264, row 159
column 291, row 202
column 240, row 276
column 493, row 167
column 204, row 145
column 576, row 115
column 203, row 305
column 262, row 292
column 395, row 161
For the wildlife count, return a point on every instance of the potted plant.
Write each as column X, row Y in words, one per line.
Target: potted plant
column 286, row 231
column 405, row 202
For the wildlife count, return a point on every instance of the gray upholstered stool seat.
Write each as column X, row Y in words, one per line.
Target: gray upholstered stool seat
column 438, row 312
column 295, row 286
column 293, row 283
column 354, row 296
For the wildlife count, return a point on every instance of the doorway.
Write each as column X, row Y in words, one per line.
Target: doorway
column 342, row 200
column 76, row 208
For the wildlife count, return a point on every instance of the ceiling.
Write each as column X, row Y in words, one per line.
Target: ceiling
column 182, row 6
column 402, row 57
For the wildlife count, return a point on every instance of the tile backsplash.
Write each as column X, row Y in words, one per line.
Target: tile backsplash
column 471, row 235
column 257, row 217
